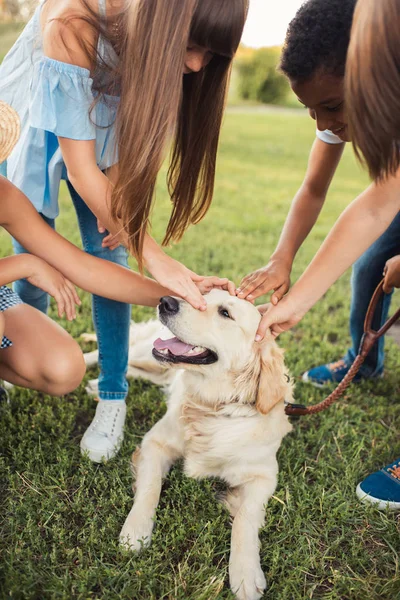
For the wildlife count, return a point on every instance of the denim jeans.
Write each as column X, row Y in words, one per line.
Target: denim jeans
column 367, row 273
column 111, row 319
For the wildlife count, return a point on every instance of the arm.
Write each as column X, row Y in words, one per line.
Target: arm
column 13, row 268
column 363, row 222
column 20, row 219
column 306, row 206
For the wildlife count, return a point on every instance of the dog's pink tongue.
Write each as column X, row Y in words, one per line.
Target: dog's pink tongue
column 174, row 345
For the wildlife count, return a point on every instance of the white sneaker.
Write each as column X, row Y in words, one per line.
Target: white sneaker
column 103, row 437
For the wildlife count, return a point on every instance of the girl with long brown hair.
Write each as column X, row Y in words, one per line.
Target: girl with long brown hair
column 372, row 221
column 103, row 88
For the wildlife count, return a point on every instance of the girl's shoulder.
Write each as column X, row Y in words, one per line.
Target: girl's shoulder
column 67, row 30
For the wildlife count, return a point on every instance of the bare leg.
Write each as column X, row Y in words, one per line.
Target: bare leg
column 43, row 356
column 245, row 575
column 151, row 463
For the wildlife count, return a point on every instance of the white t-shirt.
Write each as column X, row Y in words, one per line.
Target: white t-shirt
column 328, row 137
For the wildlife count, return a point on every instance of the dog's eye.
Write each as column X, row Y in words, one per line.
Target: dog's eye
column 224, row 313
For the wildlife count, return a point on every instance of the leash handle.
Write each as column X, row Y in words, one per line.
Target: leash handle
column 368, row 340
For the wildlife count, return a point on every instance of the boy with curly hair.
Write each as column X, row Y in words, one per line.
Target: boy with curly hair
column 314, row 61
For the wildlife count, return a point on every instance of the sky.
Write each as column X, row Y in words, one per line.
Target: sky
column 268, row 20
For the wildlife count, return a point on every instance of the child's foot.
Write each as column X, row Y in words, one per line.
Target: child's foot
column 382, row 488
column 333, row 373
column 103, row 438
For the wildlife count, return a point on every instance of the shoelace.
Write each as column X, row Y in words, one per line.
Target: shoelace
column 395, row 470
column 102, row 423
column 335, row 366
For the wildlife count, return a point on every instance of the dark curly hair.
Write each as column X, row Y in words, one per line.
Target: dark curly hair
column 318, row 38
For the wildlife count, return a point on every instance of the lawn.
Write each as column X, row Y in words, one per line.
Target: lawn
column 61, row 515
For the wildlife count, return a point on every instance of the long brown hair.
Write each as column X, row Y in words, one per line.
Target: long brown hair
column 159, row 105
column 372, row 85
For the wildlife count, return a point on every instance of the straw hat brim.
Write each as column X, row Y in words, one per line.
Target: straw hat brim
column 10, row 129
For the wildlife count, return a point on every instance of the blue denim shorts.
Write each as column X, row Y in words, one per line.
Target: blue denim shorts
column 8, row 298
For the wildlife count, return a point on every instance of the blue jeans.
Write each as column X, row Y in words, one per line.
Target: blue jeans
column 111, row 319
column 367, row 273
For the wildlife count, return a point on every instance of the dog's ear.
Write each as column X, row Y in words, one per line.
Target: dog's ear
column 273, row 385
column 264, row 379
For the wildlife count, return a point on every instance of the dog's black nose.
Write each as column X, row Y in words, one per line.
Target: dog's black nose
column 169, row 305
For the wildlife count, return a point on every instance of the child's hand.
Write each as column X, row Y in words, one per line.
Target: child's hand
column 391, row 273
column 275, row 276
column 51, row 281
column 112, row 241
column 278, row 318
column 209, row 283
column 174, row 276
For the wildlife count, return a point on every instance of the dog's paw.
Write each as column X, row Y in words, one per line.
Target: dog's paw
column 136, row 532
column 246, row 579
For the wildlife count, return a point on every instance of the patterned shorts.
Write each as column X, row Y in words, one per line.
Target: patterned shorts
column 8, row 298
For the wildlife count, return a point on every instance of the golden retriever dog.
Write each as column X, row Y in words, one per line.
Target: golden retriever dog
column 225, row 418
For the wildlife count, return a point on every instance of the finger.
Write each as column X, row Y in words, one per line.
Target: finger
column 231, row 288
column 264, row 324
column 246, row 279
column 263, row 288
column 100, row 227
column 387, row 285
column 69, row 303
column 109, row 240
column 72, row 295
column 279, row 293
column 278, row 329
column 195, row 277
column 60, row 303
column 245, row 286
column 252, row 289
column 215, row 281
column 71, row 286
column 189, row 292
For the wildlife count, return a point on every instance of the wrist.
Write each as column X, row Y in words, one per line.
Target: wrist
column 301, row 298
column 151, row 250
column 284, row 257
column 19, row 266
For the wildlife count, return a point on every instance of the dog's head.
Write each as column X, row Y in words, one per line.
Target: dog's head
column 220, row 341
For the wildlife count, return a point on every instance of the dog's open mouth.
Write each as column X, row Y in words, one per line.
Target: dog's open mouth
column 176, row 351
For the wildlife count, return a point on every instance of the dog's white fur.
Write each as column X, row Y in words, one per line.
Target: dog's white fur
column 226, row 420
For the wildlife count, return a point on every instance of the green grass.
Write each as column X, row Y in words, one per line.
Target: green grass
column 60, row 515
column 8, row 34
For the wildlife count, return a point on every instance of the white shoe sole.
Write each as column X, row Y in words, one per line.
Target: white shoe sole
column 96, row 455
column 380, row 504
column 305, row 378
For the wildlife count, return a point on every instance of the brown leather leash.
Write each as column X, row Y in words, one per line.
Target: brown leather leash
column 368, row 340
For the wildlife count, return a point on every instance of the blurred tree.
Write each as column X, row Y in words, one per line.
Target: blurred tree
column 259, row 78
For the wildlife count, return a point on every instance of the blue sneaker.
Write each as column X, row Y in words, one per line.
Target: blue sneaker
column 382, row 488
column 333, row 373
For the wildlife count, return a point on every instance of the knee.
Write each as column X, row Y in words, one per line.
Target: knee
column 65, row 370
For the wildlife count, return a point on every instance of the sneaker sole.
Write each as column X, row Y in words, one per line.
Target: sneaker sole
column 96, row 456
column 306, row 379
column 380, row 504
